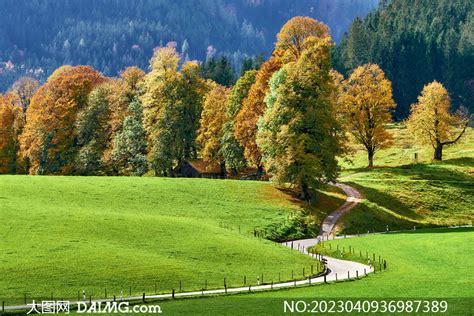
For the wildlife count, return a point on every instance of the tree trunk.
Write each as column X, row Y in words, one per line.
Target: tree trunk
column 259, row 171
column 304, row 192
column 223, row 170
column 438, row 154
column 370, row 156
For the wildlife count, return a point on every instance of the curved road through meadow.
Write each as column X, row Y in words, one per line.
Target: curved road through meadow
column 336, row 269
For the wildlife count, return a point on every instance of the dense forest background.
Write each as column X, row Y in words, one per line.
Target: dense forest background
column 416, row 42
column 38, row 36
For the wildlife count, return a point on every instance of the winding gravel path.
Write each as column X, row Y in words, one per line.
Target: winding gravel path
column 336, row 269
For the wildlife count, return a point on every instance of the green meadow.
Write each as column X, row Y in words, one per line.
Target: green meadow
column 425, row 264
column 402, row 193
column 61, row 235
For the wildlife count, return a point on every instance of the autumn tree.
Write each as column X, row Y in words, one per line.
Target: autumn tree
column 132, row 77
column 12, row 121
column 431, row 121
column 25, row 88
column 298, row 134
column 49, row 139
column 288, row 48
column 192, row 91
column 213, row 117
column 365, row 105
column 94, row 130
column 252, row 108
column 171, row 106
column 122, row 91
column 291, row 39
column 129, row 150
column 232, row 150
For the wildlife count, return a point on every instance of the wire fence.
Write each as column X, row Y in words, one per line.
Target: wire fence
column 323, row 248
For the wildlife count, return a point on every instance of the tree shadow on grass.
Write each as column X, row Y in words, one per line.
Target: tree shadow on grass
column 378, row 212
column 436, row 172
column 463, row 162
column 384, row 200
column 438, row 230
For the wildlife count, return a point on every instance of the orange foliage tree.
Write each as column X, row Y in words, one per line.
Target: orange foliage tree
column 49, row 139
column 252, row 108
column 11, row 124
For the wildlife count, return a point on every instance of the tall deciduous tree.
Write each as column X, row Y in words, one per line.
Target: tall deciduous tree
column 161, row 110
column 213, row 117
column 12, row 121
column 252, row 108
column 172, row 104
column 129, row 153
column 366, row 104
column 94, row 130
column 292, row 37
column 192, row 91
column 298, row 134
column 232, row 151
column 49, row 139
column 25, row 88
column 432, row 123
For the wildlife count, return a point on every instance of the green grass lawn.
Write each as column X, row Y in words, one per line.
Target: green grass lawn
column 63, row 234
column 401, row 193
column 403, row 150
column 422, row 264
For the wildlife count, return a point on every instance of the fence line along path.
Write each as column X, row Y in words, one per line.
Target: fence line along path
column 336, row 269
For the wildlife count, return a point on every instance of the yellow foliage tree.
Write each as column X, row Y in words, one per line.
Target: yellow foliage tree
column 365, row 106
column 291, row 39
column 213, row 117
column 432, row 123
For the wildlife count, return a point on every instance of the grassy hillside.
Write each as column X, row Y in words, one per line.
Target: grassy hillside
column 403, row 150
column 421, row 265
column 403, row 193
column 64, row 234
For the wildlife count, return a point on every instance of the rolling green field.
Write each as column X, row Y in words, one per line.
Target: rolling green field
column 425, row 264
column 63, row 234
column 402, row 193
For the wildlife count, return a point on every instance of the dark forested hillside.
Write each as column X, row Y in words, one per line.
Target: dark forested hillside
column 416, row 42
column 38, row 36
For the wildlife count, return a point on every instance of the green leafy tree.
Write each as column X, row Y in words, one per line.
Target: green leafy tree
column 129, row 153
column 298, row 134
column 161, row 103
column 172, row 103
column 231, row 149
column 93, row 129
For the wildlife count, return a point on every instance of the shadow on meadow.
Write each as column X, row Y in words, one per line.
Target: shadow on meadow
column 438, row 230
